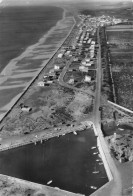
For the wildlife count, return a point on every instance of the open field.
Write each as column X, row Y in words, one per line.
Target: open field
column 120, row 43
column 53, row 107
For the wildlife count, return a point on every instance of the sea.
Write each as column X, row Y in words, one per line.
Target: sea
column 24, row 26
column 29, row 37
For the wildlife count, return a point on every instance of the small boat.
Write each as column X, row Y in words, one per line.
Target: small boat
column 74, row 132
column 95, row 172
column 97, row 160
column 93, row 147
column 49, row 182
column 95, row 153
column 100, row 163
column 93, row 187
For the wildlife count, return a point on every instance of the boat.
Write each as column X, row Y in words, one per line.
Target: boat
column 49, row 182
column 100, row 163
column 93, row 187
column 95, row 172
column 95, row 153
column 93, row 147
column 97, row 160
column 74, row 132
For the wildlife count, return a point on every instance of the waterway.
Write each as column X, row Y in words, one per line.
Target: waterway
column 67, row 162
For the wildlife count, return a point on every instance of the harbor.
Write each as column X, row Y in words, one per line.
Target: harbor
column 67, row 162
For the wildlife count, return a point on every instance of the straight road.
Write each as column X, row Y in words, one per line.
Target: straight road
column 115, row 187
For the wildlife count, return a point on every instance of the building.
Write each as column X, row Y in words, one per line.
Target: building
column 87, row 60
column 56, row 67
column 88, row 64
column 41, row 83
column 83, row 68
column 87, row 79
column 25, row 108
column 60, row 55
column 71, row 81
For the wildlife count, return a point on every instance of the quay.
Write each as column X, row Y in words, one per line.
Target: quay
column 18, row 141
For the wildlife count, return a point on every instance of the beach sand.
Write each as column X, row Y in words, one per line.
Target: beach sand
column 20, row 71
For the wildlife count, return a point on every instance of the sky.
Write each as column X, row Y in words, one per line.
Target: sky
column 34, row 2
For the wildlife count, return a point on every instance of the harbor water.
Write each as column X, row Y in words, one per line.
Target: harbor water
column 69, row 162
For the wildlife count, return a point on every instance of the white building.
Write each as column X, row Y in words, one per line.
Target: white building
column 88, row 64
column 87, row 60
column 60, row 55
column 56, row 67
column 49, row 82
column 87, row 79
column 83, row 68
column 41, row 83
column 83, row 62
column 71, row 81
column 26, row 108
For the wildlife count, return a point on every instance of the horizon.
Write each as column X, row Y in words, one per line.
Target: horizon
column 44, row 2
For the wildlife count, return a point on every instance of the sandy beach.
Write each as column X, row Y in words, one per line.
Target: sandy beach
column 20, row 71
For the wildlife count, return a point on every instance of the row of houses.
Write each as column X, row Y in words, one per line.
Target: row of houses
column 50, row 77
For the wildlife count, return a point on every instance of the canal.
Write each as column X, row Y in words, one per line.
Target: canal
column 66, row 162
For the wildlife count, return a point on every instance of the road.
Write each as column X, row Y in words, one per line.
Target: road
column 115, row 186
column 97, row 102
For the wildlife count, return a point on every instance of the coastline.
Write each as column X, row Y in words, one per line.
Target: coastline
column 12, row 64
column 13, row 70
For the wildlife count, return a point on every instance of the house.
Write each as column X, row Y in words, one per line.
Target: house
column 25, row 108
column 56, row 67
column 87, row 60
column 60, row 55
column 83, row 68
column 49, row 82
column 87, row 79
column 83, row 62
column 88, row 64
column 44, row 77
column 41, row 83
column 71, row 81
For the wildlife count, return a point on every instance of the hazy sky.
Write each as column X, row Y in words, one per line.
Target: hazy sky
column 21, row 2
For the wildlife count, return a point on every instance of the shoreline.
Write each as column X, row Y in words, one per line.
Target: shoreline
column 43, row 64
column 7, row 71
column 36, row 40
